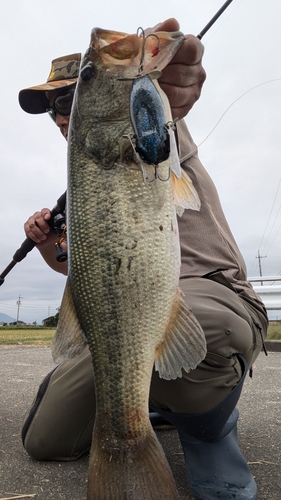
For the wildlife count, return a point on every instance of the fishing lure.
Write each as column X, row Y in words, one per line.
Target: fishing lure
column 151, row 134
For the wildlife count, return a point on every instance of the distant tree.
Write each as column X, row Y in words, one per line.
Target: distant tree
column 52, row 321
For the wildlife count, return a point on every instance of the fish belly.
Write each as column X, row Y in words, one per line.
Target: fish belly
column 124, row 262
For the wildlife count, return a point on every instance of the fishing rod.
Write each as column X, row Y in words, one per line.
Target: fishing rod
column 56, row 220
column 57, row 211
column 214, row 19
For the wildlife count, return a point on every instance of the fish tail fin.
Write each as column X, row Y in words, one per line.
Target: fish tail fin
column 135, row 473
column 185, row 194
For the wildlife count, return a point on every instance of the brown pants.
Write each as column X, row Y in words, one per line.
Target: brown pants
column 61, row 426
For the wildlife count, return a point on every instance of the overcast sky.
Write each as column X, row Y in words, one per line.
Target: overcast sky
column 243, row 153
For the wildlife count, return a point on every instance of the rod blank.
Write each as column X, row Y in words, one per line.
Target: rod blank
column 214, row 19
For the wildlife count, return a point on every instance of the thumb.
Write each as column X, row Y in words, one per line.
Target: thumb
column 170, row 24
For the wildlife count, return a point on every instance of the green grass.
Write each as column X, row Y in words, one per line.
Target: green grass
column 274, row 330
column 26, row 336
column 40, row 336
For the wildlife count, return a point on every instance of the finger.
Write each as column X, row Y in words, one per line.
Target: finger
column 170, row 24
column 41, row 219
column 46, row 213
column 34, row 233
column 182, row 76
column 190, row 52
column 36, row 227
column 182, row 99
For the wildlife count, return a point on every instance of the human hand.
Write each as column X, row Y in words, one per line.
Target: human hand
column 37, row 227
column 183, row 77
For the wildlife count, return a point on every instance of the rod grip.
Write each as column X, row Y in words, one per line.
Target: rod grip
column 28, row 243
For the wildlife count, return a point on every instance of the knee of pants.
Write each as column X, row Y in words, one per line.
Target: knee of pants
column 59, row 424
column 229, row 331
column 228, row 326
column 199, row 390
column 43, row 444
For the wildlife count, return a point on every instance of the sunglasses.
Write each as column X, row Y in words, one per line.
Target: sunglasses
column 62, row 104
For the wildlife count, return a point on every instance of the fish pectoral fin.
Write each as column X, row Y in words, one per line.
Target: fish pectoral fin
column 185, row 194
column 69, row 339
column 184, row 345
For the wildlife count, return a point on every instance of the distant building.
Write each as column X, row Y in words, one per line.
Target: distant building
column 46, row 320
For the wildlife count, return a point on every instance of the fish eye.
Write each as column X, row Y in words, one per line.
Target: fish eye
column 88, row 72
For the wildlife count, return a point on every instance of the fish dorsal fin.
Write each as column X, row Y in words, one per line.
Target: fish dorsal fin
column 69, row 340
column 185, row 194
column 184, row 345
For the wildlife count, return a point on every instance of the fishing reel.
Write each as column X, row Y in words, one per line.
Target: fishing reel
column 57, row 223
column 59, row 228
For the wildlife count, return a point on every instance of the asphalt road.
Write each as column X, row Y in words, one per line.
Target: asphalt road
column 21, row 370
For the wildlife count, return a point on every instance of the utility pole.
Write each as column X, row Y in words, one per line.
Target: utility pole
column 18, row 304
column 260, row 257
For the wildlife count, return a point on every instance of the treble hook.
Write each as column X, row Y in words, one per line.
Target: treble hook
column 138, row 158
column 143, row 45
column 158, row 177
column 139, row 161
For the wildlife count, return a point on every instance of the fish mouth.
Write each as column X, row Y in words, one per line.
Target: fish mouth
column 146, row 51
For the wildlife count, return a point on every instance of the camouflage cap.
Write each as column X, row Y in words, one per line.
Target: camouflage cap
column 64, row 72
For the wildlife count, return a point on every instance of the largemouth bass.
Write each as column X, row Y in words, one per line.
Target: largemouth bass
column 124, row 264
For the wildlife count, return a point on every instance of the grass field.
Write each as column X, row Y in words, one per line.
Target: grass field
column 26, row 336
column 43, row 336
column 274, row 331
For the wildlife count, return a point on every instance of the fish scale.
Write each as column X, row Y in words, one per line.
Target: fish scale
column 126, row 302
column 124, row 264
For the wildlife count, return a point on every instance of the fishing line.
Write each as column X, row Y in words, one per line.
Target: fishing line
column 270, row 216
column 195, row 150
column 267, row 251
column 275, row 233
column 219, row 27
column 186, row 157
column 238, row 98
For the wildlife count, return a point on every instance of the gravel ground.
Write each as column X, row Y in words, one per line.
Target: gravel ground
column 22, row 369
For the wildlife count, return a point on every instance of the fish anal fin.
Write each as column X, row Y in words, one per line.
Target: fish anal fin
column 69, row 339
column 184, row 345
column 185, row 194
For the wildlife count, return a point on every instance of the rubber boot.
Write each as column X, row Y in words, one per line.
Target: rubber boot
column 158, row 422
column 215, row 466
